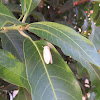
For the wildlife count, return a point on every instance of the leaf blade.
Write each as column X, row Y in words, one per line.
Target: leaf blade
column 28, row 5
column 53, row 32
column 12, row 41
column 12, row 70
column 94, row 37
column 7, row 17
column 47, row 80
column 23, row 94
column 69, row 48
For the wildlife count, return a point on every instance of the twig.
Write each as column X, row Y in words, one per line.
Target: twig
column 80, row 2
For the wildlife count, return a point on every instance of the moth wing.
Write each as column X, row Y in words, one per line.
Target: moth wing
column 51, row 61
column 47, row 55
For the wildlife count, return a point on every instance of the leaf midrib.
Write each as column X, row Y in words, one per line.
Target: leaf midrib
column 45, row 70
column 29, row 7
column 65, row 41
column 71, row 46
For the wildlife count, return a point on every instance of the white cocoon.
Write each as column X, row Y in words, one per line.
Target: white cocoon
column 47, row 55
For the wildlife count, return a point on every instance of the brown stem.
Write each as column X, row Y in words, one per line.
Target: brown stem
column 80, row 2
column 42, row 4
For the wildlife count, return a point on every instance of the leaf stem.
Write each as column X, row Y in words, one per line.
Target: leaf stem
column 25, row 17
column 3, row 31
column 20, row 17
column 12, row 28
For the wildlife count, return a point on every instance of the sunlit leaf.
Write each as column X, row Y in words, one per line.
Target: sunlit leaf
column 12, row 70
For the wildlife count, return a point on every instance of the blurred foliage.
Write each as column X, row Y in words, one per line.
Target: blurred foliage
column 64, row 12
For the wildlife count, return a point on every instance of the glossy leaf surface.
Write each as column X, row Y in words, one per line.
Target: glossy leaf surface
column 49, row 81
column 65, row 37
column 72, row 44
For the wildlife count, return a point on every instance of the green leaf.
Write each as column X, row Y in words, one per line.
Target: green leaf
column 28, row 5
column 81, row 70
column 95, row 36
column 12, row 41
column 71, row 43
column 96, row 15
column 38, row 16
column 95, row 10
column 67, row 6
column 14, row 8
column 98, row 94
column 12, row 70
column 23, row 95
column 98, row 20
column 49, row 81
column 7, row 17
